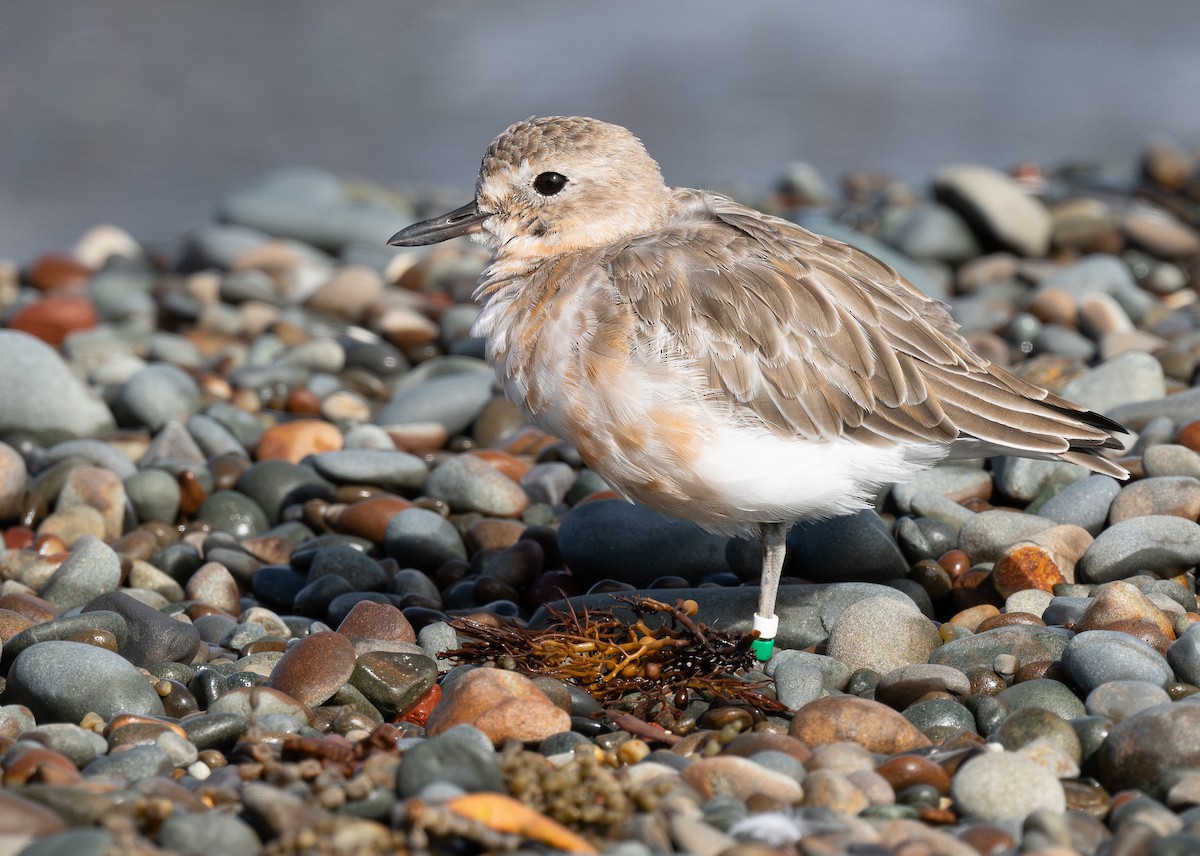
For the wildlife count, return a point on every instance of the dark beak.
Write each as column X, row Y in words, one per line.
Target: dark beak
column 461, row 221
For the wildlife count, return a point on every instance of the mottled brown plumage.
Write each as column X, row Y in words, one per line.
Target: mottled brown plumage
column 720, row 364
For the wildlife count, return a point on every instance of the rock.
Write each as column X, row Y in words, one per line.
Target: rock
column 1125, row 379
column 503, row 705
column 314, row 668
column 881, row 634
column 422, row 539
column 998, row 208
column 29, row 368
column 1095, row 657
column 156, row 395
column 462, row 756
column 91, row 570
column 1028, row 643
column 1146, row 750
column 62, row 681
column 986, row 535
column 468, row 483
column 451, row 400
column 651, row 545
column 740, row 778
column 391, row 470
column 295, row 440
column 853, row 546
column 152, row 636
column 393, row 681
column 1176, row 496
column 1156, row 544
column 870, row 724
column 1083, row 503
column 235, row 513
column 902, row 686
column 999, row 786
column 208, row 834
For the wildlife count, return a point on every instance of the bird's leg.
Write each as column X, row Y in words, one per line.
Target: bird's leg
column 773, row 537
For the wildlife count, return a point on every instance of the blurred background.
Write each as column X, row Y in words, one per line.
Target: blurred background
column 148, row 114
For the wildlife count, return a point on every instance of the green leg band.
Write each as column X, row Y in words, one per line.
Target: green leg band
column 762, row 649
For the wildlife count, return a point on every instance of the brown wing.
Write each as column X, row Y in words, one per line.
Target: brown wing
column 821, row 340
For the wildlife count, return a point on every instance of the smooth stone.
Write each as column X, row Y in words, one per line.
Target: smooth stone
column 1125, row 379
column 69, row 628
column 152, row 637
column 246, row 427
column 1025, row 478
column 933, row 231
column 208, row 834
column 997, row 786
column 13, row 474
column 462, row 756
column 1045, row 694
column 1157, row 544
column 1029, row 725
column 422, row 539
column 1119, row 700
column 940, row 716
column 856, row 546
column 650, row 545
column 469, row 483
column 1096, row 657
column 133, row 764
column 951, row 481
column 73, row 842
column 61, row 681
column 548, row 482
column 359, row 570
column 234, row 513
column 275, row 484
column 257, row 702
column 213, row 439
column 28, row 368
column 311, row 206
column 1099, row 274
column 154, row 495
column 314, row 668
column 740, row 778
column 384, row 622
column 881, row 635
column 94, row 452
column 92, row 569
column 1177, row 496
column 996, row 207
column 1084, row 503
column 213, row 585
column 870, row 724
column 1149, row 750
column 1169, row 459
column 1184, row 655
column 391, row 470
column 1028, row 643
column 78, row 744
column 157, row 394
column 452, row 400
column 97, row 488
column 902, row 686
column 986, row 535
column 393, row 681
column 503, row 705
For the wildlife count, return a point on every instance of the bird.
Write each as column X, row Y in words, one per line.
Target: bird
column 719, row 364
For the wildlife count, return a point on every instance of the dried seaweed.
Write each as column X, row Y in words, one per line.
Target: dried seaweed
column 625, row 664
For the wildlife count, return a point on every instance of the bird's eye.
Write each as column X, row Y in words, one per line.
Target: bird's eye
column 549, row 183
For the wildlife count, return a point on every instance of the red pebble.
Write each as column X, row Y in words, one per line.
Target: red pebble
column 418, row 712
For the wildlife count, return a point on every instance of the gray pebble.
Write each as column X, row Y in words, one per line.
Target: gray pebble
column 1083, row 503
column 1118, row 700
column 62, row 681
column 158, row 393
column 944, row 481
column 1026, row 478
column 1169, row 459
column 1157, row 544
column 1043, row 693
column 454, row 400
column 154, row 495
column 422, row 539
column 1095, row 657
column 469, row 483
column 1125, row 379
column 209, row 833
column 213, row 438
column 999, row 786
column 392, row 470
column 28, row 369
column 92, row 569
column 235, row 513
column 985, row 536
column 1184, row 656
column 879, row 634
column 133, row 764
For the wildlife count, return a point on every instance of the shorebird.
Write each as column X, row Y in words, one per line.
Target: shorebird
column 719, row 364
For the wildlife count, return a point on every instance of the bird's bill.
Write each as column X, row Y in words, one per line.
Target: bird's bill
column 467, row 220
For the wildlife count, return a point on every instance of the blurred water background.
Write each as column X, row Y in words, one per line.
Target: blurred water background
column 147, row 113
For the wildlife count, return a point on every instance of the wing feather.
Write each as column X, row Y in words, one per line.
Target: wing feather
column 817, row 340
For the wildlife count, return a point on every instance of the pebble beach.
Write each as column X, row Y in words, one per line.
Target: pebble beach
column 281, row 570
